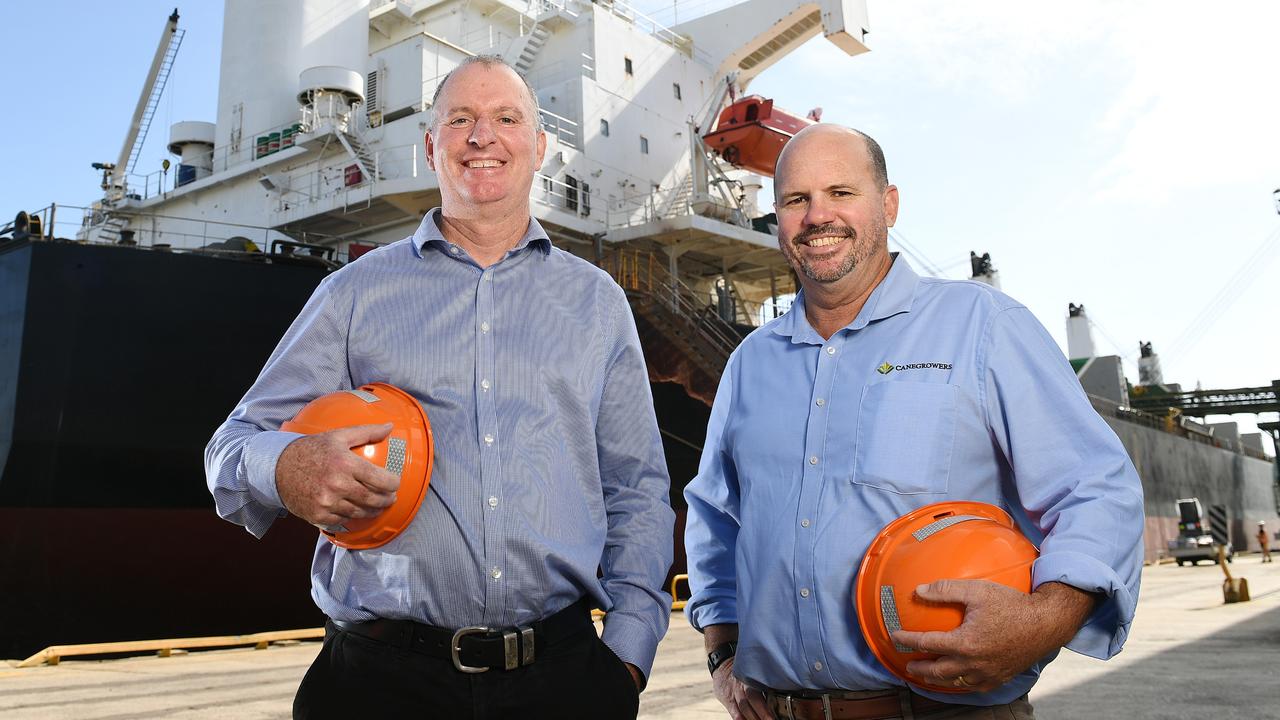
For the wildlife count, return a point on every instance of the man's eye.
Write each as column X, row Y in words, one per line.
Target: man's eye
column 507, row 120
column 459, row 122
column 795, row 200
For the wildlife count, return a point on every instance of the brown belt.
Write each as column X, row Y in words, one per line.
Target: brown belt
column 839, row 706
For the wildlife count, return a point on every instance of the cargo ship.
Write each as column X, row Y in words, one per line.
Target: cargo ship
column 127, row 338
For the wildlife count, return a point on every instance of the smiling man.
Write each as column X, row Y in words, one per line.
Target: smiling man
column 549, row 494
column 880, row 392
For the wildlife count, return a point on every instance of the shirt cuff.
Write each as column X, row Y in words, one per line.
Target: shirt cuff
column 632, row 640
column 260, row 456
column 1104, row 633
column 703, row 614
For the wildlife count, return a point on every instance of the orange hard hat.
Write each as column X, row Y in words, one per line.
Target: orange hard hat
column 946, row 540
column 407, row 452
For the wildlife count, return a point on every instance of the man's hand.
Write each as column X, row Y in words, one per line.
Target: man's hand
column 742, row 702
column 321, row 481
column 636, row 676
column 1004, row 631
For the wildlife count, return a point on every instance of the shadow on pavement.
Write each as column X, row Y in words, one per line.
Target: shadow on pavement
column 1233, row 674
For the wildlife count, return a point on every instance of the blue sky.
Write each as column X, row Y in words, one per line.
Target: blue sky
column 1118, row 154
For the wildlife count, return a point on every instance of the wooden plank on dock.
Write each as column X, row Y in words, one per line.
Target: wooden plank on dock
column 54, row 654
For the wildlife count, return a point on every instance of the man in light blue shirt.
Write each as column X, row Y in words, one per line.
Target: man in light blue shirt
column 549, row 493
column 877, row 393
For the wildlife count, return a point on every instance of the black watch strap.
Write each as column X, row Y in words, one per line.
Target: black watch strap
column 720, row 654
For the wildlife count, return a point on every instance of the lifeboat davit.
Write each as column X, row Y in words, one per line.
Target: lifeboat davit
column 750, row 133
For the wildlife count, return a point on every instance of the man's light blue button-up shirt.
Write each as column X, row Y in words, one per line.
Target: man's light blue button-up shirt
column 938, row 390
column 548, row 462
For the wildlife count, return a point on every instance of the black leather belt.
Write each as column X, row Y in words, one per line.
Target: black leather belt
column 475, row 649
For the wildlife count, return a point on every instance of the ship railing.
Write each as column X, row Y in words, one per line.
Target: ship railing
column 642, row 272
column 565, row 130
column 168, row 233
column 627, row 11
column 568, row 195
column 143, row 186
column 1172, row 424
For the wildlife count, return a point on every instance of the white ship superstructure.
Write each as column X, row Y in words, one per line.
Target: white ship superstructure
column 323, row 106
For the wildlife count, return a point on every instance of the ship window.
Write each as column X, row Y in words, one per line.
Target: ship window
column 586, row 199
column 627, row 65
column 753, row 112
column 571, row 192
column 676, row 88
column 604, row 127
column 644, row 145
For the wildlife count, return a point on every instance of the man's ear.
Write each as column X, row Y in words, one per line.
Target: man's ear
column 431, row 147
column 890, row 205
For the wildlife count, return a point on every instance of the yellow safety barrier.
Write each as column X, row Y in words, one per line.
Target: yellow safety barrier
column 677, row 603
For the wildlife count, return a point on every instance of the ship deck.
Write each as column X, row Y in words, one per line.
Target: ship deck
column 1189, row 655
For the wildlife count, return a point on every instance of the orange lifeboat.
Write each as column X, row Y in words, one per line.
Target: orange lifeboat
column 750, row 133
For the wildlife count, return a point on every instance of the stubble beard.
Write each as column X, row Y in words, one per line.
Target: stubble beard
column 863, row 247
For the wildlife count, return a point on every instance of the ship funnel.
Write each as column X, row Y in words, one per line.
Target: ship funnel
column 1148, row 365
column 1079, row 333
column 192, row 141
column 983, row 270
column 326, row 94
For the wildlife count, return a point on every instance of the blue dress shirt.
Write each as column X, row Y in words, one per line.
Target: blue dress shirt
column 548, row 462
column 938, row 390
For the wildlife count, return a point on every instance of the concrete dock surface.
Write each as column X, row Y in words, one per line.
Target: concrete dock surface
column 1188, row 656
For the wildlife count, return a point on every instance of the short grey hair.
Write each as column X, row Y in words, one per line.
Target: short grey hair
column 488, row 61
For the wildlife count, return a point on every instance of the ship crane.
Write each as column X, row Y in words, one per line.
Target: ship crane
column 113, row 174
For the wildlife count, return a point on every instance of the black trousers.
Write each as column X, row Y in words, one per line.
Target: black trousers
column 355, row 677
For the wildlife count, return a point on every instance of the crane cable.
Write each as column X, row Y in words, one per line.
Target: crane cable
column 1235, row 286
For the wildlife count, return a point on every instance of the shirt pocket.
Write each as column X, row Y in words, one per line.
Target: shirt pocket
column 906, row 431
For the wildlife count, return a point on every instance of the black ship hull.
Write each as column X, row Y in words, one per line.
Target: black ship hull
column 116, row 364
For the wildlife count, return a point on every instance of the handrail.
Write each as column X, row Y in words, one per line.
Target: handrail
column 637, row 270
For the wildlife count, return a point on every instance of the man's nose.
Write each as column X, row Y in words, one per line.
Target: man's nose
column 818, row 213
column 481, row 133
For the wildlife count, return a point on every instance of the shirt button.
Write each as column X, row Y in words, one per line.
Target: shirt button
column 804, row 522
column 831, row 350
column 484, row 385
column 484, row 327
column 488, row 439
column 813, row 460
column 454, row 249
column 820, row 402
column 817, row 665
column 495, row 573
column 804, row 592
column 493, row 502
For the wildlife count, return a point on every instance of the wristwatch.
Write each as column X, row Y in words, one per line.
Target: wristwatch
column 720, row 654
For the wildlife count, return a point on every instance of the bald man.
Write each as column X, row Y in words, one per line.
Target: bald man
column 880, row 392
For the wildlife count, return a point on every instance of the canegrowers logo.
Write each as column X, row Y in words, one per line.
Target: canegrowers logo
column 887, row 367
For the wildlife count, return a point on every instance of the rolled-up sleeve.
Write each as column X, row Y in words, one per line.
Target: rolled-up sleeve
column 711, row 532
column 1074, row 478
column 633, row 475
column 240, row 459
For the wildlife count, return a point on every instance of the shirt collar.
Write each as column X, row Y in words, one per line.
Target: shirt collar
column 429, row 232
column 893, row 295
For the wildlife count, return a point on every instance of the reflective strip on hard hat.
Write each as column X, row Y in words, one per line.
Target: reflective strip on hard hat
column 889, row 611
column 923, row 533
column 364, row 395
column 395, row 455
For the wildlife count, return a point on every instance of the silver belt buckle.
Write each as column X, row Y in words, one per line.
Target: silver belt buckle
column 455, row 647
